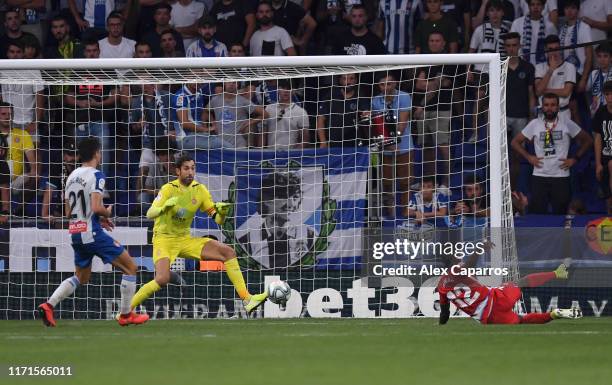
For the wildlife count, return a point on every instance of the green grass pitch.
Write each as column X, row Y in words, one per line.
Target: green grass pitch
column 312, row 352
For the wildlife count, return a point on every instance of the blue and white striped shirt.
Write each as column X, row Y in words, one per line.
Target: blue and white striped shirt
column 400, row 18
column 96, row 11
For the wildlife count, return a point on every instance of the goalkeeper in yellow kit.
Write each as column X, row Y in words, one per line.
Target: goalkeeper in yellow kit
column 173, row 210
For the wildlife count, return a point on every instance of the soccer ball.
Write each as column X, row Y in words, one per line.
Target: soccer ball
column 279, row 292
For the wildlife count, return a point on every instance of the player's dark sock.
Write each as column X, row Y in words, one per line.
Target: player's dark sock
column 537, row 279
column 536, row 318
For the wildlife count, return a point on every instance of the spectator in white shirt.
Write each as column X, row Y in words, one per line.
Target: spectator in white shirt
column 533, row 28
column 287, row 124
column 116, row 45
column 184, row 18
column 573, row 32
column 555, row 76
column 598, row 15
column 28, row 100
column 486, row 37
column 600, row 76
column 270, row 39
column 550, row 10
column 551, row 136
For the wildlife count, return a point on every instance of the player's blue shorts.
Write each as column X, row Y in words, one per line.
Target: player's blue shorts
column 105, row 247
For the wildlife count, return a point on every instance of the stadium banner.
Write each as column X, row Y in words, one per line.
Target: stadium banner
column 205, row 295
column 302, row 207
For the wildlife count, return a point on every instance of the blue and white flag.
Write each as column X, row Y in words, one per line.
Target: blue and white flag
column 296, row 208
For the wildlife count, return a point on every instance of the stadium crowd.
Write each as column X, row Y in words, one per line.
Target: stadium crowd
column 559, row 127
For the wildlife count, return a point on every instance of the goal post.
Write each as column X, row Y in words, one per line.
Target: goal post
column 317, row 196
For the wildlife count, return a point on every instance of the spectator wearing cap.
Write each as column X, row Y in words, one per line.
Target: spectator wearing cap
column 59, row 169
column 207, row 45
column 115, row 45
column 184, row 18
column 13, row 32
column 161, row 17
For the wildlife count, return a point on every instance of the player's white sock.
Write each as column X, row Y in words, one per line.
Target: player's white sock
column 65, row 289
column 128, row 288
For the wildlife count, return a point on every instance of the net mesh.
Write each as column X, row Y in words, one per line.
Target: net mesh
column 315, row 161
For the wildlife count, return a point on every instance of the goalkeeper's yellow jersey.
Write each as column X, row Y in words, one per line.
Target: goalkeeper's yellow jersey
column 176, row 221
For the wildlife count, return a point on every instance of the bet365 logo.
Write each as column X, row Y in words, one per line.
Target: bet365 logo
column 599, row 235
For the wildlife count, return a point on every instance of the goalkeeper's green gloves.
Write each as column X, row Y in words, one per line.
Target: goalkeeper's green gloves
column 170, row 202
column 154, row 212
column 221, row 210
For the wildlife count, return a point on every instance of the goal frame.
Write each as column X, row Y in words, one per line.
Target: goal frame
column 492, row 59
column 499, row 191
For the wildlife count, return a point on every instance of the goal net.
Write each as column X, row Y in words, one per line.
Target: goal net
column 327, row 163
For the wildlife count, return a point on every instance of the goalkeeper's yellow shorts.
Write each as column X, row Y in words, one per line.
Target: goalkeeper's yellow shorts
column 173, row 247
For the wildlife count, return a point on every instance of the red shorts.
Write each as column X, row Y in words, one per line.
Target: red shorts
column 504, row 298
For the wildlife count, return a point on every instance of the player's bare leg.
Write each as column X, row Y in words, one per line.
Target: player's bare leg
column 65, row 290
column 216, row 251
column 128, row 286
column 539, row 279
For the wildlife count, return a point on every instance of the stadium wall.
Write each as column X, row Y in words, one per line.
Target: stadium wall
column 209, row 295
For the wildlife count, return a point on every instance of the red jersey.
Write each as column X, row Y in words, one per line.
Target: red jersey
column 467, row 294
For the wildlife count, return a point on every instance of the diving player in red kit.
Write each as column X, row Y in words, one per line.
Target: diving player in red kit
column 495, row 305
